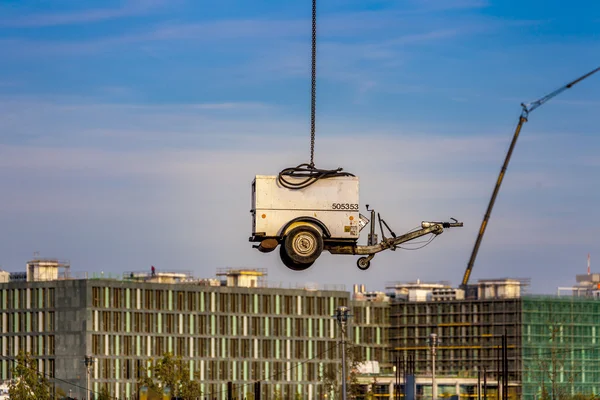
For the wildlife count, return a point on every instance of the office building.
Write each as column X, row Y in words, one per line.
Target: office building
column 235, row 328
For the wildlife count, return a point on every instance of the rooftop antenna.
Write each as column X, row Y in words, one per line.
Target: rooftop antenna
column 589, row 270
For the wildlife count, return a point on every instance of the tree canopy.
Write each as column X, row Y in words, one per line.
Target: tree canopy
column 174, row 373
column 28, row 383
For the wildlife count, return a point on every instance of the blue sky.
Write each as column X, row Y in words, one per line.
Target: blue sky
column 130, row 131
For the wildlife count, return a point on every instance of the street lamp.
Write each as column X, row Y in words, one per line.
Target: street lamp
column 88, row 360
column 342, row 314
column 433, row 342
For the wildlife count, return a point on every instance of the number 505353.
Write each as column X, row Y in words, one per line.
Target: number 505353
column 344, row 206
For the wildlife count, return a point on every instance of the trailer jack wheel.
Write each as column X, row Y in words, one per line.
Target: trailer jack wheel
column 364, row 263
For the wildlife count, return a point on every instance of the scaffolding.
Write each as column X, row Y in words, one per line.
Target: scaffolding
column 560, row 349
column 471, row 337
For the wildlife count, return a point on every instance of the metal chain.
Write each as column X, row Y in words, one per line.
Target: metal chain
column 314, row 83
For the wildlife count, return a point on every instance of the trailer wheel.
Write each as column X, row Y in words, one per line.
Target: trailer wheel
column 288, row 262
column 303, row 244
column 363, row 263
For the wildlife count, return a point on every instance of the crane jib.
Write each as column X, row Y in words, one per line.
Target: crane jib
column 527, row 108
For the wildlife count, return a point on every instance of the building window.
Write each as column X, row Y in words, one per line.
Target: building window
column 127, row 369
column 202, row 323
column 180, row 301
column 51, row 368
column 137, row 322
column 191, row 301
column 159, row 346
column 180, row 350
column 114, row 301
column 170, row 328
column 266, row 304
column 117, row 321
column 95, row 297
column 127, row 345
column 51, row 345
column 148, row 299
column 160, row 299
column 299, row 327
column 288, row 305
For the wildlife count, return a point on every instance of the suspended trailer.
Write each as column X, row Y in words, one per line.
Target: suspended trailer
column 306, row 212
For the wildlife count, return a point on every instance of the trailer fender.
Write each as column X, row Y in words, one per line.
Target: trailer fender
column 309, row 221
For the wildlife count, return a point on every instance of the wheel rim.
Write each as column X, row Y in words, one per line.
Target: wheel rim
column 304, row 244
column 294, row 266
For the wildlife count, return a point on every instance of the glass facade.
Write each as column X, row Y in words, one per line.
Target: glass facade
column 27, row 322
column 281, row 337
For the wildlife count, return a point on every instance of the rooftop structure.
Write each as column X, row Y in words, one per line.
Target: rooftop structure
column 360, row 293
column 158, row 277
column 4, row 276
column 243, row 277
column 588, row 285
column 43, row 269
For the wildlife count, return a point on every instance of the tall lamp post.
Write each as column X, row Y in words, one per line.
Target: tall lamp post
column 88, row 365
column 433, row 342
column 342, row 314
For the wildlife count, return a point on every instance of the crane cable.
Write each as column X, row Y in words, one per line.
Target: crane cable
column 313, row 88
column 307, row 172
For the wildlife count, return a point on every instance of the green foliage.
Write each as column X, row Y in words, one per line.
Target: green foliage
column 332, row 378
column 103, row 394
column 544, row 395
column 174, row 373
column 60, row 393
column 28, row 383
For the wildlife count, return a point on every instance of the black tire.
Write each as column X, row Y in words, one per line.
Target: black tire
column 303, row 244
column 294, row 266
column 363, row 263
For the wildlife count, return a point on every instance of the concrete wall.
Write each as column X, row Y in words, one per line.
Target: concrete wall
column 72, row 322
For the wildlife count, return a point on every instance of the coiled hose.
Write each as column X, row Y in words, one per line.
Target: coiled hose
column 309, row 175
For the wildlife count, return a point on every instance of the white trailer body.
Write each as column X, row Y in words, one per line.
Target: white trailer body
column 334, row 202
column 306, row 215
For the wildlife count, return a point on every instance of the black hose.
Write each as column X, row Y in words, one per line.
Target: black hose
column 308, row 174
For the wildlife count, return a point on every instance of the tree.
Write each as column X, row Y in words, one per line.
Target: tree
column 550, row 369
column 104, row 394
column 331, row 377
column 174, row 373
column 60, row 393
column 28, row 383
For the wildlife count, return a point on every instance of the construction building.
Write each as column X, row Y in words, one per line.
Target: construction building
column 552, row 342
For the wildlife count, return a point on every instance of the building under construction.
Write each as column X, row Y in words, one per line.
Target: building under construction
column 552, row 342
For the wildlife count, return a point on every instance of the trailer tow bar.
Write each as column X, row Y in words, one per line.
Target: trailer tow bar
column 372, row 248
